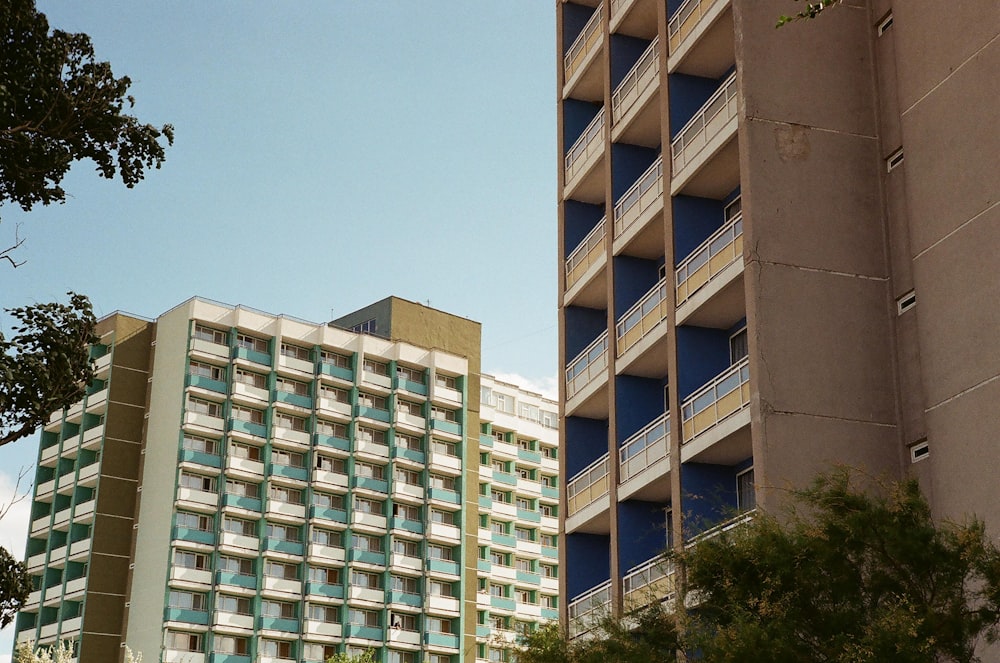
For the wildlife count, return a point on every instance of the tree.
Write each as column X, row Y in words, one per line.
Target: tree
column 848, row 575
column 61, row 652
column 368, row 656
column 46, row 366
column 59, row 104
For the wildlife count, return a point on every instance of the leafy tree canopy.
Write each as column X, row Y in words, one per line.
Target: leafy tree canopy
column 46, row 365
column 58, row 104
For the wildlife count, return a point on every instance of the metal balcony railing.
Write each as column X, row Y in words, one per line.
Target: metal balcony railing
column 642, row 195
column 706, row 123
column 588, row 485
column 637, row 80
column 727, row 394
column 711, row 257
column 585, row 41
column 587, row 365
column 587, row 144
column 650, row 581
column 586, row 253
column 644, row 315
column 685, row 19
column 588, row 608
column 644, row 448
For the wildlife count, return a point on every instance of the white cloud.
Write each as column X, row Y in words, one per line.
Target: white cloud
column 546, row 386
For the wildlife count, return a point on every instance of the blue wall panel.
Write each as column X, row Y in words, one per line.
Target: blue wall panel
column 576, row 116
column 625, row 52
column 628, row 162
column 586, row 441
column 633, row 279
column 637, row 402
column 687, row 95
column 709, row 494
column 702, row 353
column 575, row 17
column 588, row 557
column 695, row 219
column 642, row 532
column 581, row 218
column 583, row 325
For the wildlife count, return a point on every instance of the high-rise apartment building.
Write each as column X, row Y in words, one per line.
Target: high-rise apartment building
column 778, row 251
column 238, row 486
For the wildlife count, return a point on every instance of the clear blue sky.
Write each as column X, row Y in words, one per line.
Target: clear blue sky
column 328, row 154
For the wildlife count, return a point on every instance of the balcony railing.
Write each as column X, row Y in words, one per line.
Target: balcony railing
column 577, row 52
column 706, row 123
column 725, row 526
column 588, row 608
column 638, row 79
column 685, row 19
column 587, row 365
column 642, row 195
column 588, row 143
column 727, row 394
column 710, row 258
column 586, row 253
column 644, row 315
column 650, row 581
column 617, row 6
column 587, row 486
column 645, row 447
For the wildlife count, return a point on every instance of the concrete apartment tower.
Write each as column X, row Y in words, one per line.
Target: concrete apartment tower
column 238, row 486
column 779, row 251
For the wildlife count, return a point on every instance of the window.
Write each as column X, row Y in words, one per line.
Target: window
column 547, row 571
column 276, row 648
column 200, row 445
column 187, row 601
column 251, row 343
column 334, row 394
column 403, row 656
column 287, row 458
column 208, row 371
column 236, row 565
column 371, row 435
column 324, row 613
column 292, row 387
column 403, row 475
column 249, row 415
column 208, row 408
column 406, row 512
column 442, row 414
column 242, row 489
column 528, row 411
column 371, row 400
column 525, row 444
column 523, row 628
column 548, row 510
column 366, row 580
column 446, row 381
column 548, row 601
column 246, row 451
column 526, row 473
column 438, row 658
column 318, row 652
column 411, row 374
column 360, row 617
column 335, row 359
column 190, row 560
column 498, row 527
column 525, row 565
column 328, row 500
column 279, row 609
column 505, row 403
column 195, row 521
column 283, row 532
column 324, row 575
column 184, row 641
column 369, row 471
column 239, row 526
column 439, row 552
column 524, row 534
column 294, row 352
column 285, row 494
column 548, row 452
column 498, row 590
column 524, row 504
column 442, row 482
column 198, row 482
column 446, row 448
column 325, row 537
column 405, row 548
column 499, row 558
column 498, row 623
column 331, row 429
column 438, row 625
column 443, row 517
column 494, row 655
column 328, row 464
column 231, row 644
column 281, row 570
column 251, row 379
column 499, row 466
column 438, row 588
column 217, row 336
column 409, row 442
column 409, row 407
column 365, row 505
column 376, row 367
column 738, row 348
column 500, row 436
column 548, row 540
column 289, row 421
column 404, row 584
column 366, row 543
column 524, row 596
column 548, row 482
column 746, row 499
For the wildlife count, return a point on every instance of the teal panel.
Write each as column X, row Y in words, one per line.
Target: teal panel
column 410, row 386
column 216, row 657
column 443, row 566
column 406, row 525
column 502, row 603
column 287, row 547
column 293, row 399
column 249, row 428
column 332, row 442
column 202, row 382
column 409, row 454
column 371, row 484
column 504, row 540
column 279, row 624
column 357, row 631
column 529, row 516
column 552, row 493
column 186, row 616
column 300, row 473
column 486, row 441
column 337, row 372
column 549, row 613
column 486, row 502
column 442, row 640
column 201, row 458
column 250, row 503
column 413, row 600
column 485, row 565
column 550, row 552
column 483, row 631
column 227, row 578
column 372, row 413
column 529, row 456
column 503, row 477
column 365, row 556
column 529, row 578
column 443, row 495
column 194, row 535
column 447, row 426
column 254, row 356
column 335, row 515
column 323, row 589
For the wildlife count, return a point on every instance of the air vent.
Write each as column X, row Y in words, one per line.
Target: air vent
column 893, row 160
column 919, row 451
column 884, row 24
column 906, row 302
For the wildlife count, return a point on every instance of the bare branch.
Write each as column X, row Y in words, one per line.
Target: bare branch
column 18, row 241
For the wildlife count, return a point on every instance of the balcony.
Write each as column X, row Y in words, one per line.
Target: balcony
column 582, row 177
column 715, row 420
column 586, row 379
column 701, row 38
column 635, row 335
column 710, row 280
column 579, row 75
column 644, row 460
column 588, row 608
column 634, row 212
column 635, row 116
column 648, row 582
column 587, row 501
column 705, row 154
column 636, row 18
column 586, row 262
